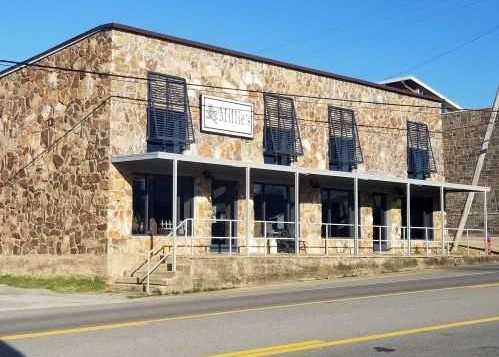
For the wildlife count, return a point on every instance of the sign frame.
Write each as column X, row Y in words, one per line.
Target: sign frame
column 205, row 127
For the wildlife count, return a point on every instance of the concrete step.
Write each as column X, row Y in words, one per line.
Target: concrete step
column 127, row 288
column 140, row 289
column 127, row 280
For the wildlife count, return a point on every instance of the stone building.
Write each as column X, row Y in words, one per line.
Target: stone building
column 99, row 133
column 464, row 132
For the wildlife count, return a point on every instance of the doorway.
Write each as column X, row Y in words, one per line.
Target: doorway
column 224, row 226
column 379, row 222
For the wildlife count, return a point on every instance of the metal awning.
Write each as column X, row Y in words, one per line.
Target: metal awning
column 156, row 158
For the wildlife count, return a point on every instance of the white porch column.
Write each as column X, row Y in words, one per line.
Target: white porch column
column 442, row 217
column 174, row 214
column 297, row 213
column 485, row 222
column 356, row 215
column 408, row 218
column 247, row 198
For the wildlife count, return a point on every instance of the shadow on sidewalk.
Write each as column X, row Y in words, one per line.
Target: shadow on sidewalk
column 8, row 351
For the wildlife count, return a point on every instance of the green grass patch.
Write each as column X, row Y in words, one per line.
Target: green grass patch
column 63, row 284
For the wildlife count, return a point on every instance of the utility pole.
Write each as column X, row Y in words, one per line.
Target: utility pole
column 478, row 171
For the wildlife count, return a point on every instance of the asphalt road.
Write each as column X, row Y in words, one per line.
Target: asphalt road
column 453, row 312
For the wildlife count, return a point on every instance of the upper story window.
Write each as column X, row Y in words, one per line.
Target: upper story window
column 281, row 138
column 169, row 124
column 344, row 147
column 420, row 161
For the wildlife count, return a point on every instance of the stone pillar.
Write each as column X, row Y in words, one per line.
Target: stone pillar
column 366, row 223
column 394, row 222
column 438, row 220
column 247, row 246
column 311, row 218
column 202, row 213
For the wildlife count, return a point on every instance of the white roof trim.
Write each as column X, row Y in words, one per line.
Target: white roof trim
column 424, row 85
column 295, row 169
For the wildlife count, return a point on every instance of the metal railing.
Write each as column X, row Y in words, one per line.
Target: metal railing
column 222, row 234
column 473, row 239
column 278, row 236
column 163, row 258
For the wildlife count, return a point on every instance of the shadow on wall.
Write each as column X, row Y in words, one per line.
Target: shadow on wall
column 9, row 351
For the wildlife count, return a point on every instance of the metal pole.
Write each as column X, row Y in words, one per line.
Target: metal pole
column 230, row 237
column 467, row 242
column 408, row 217
column 247, row 197
column 327, row 236
column 297, row 213
column 148, row 272
column 478, row 168
column 356, row 216
column 485, row 222
column 442, row 217
column 380, row 237
column 174, row 214
column 426, row 239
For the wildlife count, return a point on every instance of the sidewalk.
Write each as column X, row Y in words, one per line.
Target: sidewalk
column 12, row 299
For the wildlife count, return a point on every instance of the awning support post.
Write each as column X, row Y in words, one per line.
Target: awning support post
column 174, row 214
column 247, row 197
column 442, row 218
column 485, row 223
column 356, row 215
column 408, row 218
column 297, row 213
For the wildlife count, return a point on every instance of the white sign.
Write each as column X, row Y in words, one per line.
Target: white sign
column 224, row 116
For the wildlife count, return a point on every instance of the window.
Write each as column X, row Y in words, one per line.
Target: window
column 152, row 203
column 281, row 138
column 275, row 214
column 421, row 216
column 344, row 147
column 337, row 210
column 169, row 125
column 420, row 161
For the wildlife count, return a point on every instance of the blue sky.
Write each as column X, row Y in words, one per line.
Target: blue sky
column 367, row 39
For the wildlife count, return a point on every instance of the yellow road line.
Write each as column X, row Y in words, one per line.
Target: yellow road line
column 272, row 349
column 492, row 285
column 83, row 329
column 318, row 344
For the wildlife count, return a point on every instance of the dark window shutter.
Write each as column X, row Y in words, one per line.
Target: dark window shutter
column 420, row 160
column 282, row 134
column 344, row 147
column 169, row 124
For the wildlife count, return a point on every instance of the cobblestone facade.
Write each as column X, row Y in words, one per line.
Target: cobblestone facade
column 54, row 162
column 463, row 137
column 72, row 200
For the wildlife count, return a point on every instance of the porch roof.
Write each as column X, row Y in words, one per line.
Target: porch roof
column 160, row 156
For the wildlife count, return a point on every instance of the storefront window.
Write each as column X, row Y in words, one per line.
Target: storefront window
column 152, row 203
column 337, row 213
column 275, row 214
column 421, row 216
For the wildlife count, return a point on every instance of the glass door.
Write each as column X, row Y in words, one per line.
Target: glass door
column 223, row 226
column 379, row 222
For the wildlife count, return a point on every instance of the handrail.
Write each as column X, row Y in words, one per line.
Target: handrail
column 173, row 254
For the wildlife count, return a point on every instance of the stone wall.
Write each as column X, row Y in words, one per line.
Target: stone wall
column 54, row 157
column 60, row 195
column 463, row 136
column 136, row 55
column 214, row 273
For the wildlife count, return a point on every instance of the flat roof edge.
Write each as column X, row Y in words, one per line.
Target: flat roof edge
column 119, row 159
column 222, row 50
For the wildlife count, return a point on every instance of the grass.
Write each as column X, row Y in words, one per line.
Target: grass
column 63, row 284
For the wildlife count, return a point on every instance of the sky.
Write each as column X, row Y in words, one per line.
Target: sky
column 452, row 45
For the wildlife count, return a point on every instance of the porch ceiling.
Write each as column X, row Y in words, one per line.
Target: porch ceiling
column 161, row 161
